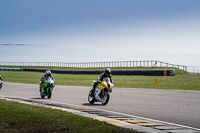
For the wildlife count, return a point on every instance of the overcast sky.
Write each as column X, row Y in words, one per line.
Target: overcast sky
column 105, row 30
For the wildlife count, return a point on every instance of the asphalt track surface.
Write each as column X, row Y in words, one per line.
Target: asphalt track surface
column 174, row 106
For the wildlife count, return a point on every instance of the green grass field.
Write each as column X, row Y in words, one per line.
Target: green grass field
column 17, row 117
column 181, row 81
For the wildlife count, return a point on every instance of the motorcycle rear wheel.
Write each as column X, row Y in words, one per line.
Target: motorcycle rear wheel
column 91, row 99
column 105, row 98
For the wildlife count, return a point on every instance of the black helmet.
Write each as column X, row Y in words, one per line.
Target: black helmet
column 107, row 71
column 48, row 72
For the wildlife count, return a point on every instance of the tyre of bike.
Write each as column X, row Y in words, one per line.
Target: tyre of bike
column 105, row 96
column 49, row 94
column 91, row 98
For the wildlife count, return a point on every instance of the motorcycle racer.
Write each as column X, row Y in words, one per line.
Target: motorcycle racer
column 45, row 77
column 106, row 73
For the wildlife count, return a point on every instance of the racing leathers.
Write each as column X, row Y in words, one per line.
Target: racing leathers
column 45, row 77
column 100, row 78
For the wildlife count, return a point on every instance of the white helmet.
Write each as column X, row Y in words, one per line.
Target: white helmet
column 48, row 72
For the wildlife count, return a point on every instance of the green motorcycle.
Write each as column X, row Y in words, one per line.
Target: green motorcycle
column 47, row 88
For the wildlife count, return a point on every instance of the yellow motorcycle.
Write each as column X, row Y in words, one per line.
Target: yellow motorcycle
column 101, row 92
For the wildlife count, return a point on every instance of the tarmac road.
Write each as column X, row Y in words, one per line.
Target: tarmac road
column 174, row 106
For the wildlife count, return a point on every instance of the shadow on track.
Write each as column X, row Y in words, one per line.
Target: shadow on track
column 39, row 98
column 88, row 104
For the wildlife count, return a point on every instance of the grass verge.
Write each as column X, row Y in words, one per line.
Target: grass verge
column 17, row 117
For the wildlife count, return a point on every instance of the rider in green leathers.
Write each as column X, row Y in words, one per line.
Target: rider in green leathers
column 45, row 77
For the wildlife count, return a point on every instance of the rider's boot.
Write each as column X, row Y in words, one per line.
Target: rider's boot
column 93, row 88
column 92, row 92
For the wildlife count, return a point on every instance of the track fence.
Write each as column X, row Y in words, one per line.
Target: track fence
column 193, row 69
column 147, row 63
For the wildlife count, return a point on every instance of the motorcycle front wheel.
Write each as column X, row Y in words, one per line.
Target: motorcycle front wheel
column 91, row 99
column 105, row 97
column 49, row 94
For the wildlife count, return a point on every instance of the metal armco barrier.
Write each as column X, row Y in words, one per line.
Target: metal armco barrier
column 114, row 72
